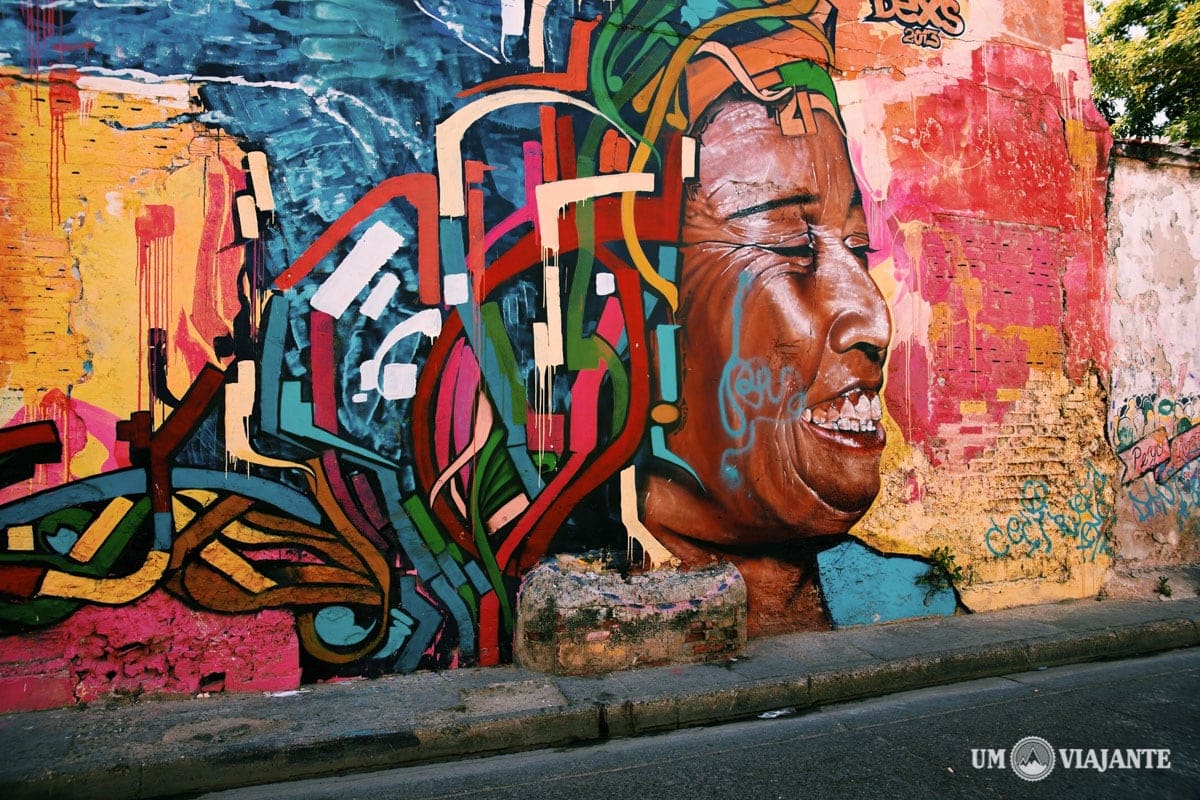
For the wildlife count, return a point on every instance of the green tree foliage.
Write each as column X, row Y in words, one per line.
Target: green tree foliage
column 1145, row 58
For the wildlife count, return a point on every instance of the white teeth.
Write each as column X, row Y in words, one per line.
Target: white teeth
column 863, row 408
column 846, row 413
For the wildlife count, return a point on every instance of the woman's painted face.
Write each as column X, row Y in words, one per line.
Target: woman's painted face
column 784, row 332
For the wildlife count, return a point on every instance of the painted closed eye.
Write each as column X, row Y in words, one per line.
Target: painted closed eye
column 801, row 252
column 859, row 245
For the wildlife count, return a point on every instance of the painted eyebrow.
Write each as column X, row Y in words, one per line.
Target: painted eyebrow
column 779, row 202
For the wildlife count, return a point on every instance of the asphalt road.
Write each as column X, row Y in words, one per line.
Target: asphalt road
column 909, row 745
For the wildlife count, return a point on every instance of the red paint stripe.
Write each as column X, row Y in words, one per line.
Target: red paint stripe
column 341, row 493
column 31, row 434
column 548, row 126
column 321, row 356
column 365, row 493
column 566, row 148
column 420, row 190
column 489, row 630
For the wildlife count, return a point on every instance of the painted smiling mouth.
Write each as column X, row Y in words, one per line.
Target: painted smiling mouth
column 856, row 410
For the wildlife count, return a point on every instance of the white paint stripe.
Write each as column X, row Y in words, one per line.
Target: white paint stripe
column 552, row 198
column 428, row 322
column 554, row 321
column 260, row 180
column 541, row 345
column 691, row 167
column 652, row 549
column 606, row 283
column 368, row 375
column 455, row 289
column 537, row 34
column 512, row 17
column 239, row 407
column 370, row 253
column 382, row 292
column 179, row 92
column 247, row 216
column 399, row 381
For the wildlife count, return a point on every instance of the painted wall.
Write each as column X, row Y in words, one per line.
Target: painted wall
column 318, row 335
column 1154, row 269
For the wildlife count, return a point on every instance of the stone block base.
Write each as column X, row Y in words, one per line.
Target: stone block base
column 575, row 617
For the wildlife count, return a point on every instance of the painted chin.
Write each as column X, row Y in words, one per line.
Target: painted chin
column 844, row 441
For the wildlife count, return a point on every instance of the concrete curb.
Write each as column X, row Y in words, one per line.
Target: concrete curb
column 190, row 746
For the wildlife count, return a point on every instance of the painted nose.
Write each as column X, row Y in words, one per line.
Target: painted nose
column 862, row 321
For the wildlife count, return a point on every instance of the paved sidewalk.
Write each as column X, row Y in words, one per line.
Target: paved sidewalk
column 173, row 747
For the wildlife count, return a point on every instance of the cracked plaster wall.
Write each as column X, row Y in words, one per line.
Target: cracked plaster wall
column 1154, row 422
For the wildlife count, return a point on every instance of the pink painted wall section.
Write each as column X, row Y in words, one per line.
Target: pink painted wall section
column 987, row 163
column 156, row 645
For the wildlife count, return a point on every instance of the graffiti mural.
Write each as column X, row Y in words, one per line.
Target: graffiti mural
column 336, row 330
column 1159, row 448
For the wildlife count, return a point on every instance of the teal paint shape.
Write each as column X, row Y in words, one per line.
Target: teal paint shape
column 295, row 417
column 451, row 570
column 274, row 332
column 498, row 364
column 62, row 540
column 87, row 490
column 668, row 262
column 862, row 586
column 668, row 269
column 336, row 626
column 267, row 491
column 400, row 628
column 478, row 579
column 164, row 530
column 668, row 368
column 406, row 533
column 458, row 610
column 427, row 620
column 658, row 446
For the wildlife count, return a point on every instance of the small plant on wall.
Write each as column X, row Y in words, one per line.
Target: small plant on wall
column 943, row 573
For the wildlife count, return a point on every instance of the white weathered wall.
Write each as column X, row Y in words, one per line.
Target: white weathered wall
column 1154, row 424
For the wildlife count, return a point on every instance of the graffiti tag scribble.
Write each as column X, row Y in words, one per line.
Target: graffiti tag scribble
column 924, row 21
column 1087, row 508
column 1180, row 494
